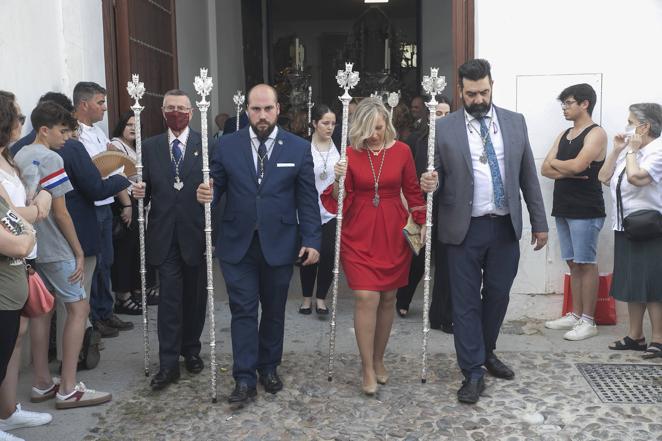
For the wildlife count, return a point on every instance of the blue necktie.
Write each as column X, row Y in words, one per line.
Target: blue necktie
column 261, row 164
column 176, row 155
column 497, row 183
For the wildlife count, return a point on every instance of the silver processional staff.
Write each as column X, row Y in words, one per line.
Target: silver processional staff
column 203, row 85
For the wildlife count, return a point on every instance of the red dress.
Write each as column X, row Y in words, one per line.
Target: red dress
column 374, row 253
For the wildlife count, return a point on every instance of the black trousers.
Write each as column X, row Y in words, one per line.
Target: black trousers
column 182, row 307
column 125, row 272
column 9, row 324
column 323, row 270
column 441, row 306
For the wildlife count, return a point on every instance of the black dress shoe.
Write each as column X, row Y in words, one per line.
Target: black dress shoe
column 471, row 390
column 163, row 378
column 497, row 368
column 271, row 382
column 242, row 393
column 193, row 363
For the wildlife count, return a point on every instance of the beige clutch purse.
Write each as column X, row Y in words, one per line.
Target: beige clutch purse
column 109, row 161
column 412, row 232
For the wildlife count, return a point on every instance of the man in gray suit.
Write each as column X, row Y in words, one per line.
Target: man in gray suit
column 483, row 159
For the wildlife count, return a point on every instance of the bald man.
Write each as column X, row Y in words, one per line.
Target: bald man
column 271, row 220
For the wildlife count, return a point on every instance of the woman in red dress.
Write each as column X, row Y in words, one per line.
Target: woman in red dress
column 374, row 253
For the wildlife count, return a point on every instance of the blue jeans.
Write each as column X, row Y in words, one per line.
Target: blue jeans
column 101, row 297
column 578, row 238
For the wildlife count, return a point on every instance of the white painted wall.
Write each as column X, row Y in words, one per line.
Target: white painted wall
column 611, row 37
column 50, row 46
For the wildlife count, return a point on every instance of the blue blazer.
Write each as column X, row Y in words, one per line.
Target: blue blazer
column 174, row 215
column 88, row 187
column 230, row 125
column 287, row 192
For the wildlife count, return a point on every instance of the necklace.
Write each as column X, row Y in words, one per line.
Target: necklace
column 483, row 138
column 325, row 159
column 261, row 159
column 375, row 177
column 179, row 184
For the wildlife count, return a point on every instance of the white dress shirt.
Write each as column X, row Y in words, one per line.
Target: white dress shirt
column 255, row 144
column 95, row 142
column 483, row 201
column 183, row 139
column 648, row 197
column 332, row 156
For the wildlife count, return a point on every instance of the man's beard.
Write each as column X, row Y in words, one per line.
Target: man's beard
column 263, row 134
column 478, row 110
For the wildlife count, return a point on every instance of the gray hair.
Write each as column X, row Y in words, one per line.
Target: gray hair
column 85, row 90
column 650, row 113
column 175, row 92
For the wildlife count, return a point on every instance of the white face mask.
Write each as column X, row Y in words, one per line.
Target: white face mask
column 630, row 130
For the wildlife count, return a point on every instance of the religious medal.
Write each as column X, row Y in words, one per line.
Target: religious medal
column 178, row 183
column 375, row 177
column 483, row 158
column 323, row 175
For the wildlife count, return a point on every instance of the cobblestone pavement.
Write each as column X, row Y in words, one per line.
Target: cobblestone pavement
column 548, row 400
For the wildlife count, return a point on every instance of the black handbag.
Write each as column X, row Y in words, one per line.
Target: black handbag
column 641, row 224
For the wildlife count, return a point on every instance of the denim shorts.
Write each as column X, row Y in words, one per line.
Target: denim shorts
column 56, row 278
column 578, row 238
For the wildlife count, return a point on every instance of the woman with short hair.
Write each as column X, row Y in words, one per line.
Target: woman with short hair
column 374, row 253
column 633, row 170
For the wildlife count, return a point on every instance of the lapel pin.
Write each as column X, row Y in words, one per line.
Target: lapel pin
column 280, row 142
column 195, row 153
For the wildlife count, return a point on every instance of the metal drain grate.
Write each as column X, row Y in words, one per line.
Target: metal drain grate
column 624, row 383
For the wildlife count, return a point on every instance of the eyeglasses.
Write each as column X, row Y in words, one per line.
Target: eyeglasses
column 21, row 119
column 567, row 103
column 182, row 109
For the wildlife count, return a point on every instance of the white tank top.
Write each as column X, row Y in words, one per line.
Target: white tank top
column 16, row 191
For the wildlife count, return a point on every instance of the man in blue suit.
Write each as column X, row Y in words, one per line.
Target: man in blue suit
column 230, row 125
column 267, row 176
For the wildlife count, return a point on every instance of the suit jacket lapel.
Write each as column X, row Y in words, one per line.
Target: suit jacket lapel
column 193, row 150
column 507, row 134
column 246, row 148
column 463, row 139
column 275, row 153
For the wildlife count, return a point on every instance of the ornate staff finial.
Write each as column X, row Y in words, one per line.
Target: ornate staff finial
column 347, row 79
column 433, row 84
column 238, row 99
column 203, row 85
column 136, row 89
column 393, row 99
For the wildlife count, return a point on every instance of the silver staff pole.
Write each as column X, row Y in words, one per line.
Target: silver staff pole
column 393, row 100
column 136, row 91
column 433, row 85
column 203, row 85
column 346, row 80
column 238, row 100
column 310, row 108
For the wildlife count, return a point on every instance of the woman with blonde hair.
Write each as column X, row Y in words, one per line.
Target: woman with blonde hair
column 374, row 253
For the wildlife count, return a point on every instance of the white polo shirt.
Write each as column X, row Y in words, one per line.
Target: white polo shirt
column 95, row 142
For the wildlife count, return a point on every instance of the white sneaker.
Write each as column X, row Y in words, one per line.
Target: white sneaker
column 24, row 418
column 4, row 436
column 81, row 397
column 581, row 331
column 566, row 322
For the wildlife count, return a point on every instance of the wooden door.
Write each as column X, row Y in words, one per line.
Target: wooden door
column 140, row 38
column 463, row 36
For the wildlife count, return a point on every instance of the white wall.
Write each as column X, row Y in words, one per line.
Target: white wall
column 611, row 37
column 50, row 46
